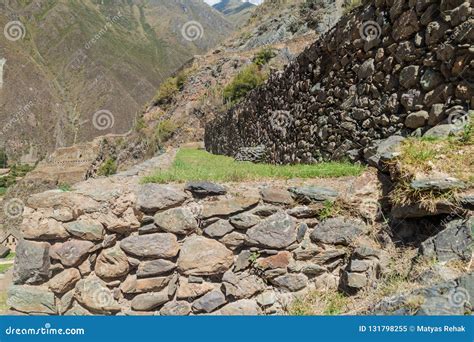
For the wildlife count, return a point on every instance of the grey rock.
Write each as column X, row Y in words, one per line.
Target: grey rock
column 276, row 196
column 31, row 299
column 112, row 263
column 234, row 240
column 266, row 298
column 437, row 184
column 338, row 231
column 204, row 189
column 291, row 282
column 153, row 268
column 452, row 243
column 219, row 229
column 179, row 221
column 176, row 308
column 366, row 69
column 148, row 229
column 240, row 286
column 73, row 252
column 31, row 263
column 149, row 301
column 243, row 261
column 86, row 229
column 467, row 201
column 277, row 231
column 356, row 280
column 302, row 229
column 209, row 302
column 202, row 256
column 244, row 220
column 409, row 76
column 416, row 210
column 93, row 293
column 436, row 114
column 310, row 194
column 158, row 245
column 4, row 251
column 243, row 307
column 154, row 197
column 431, row 79
column 313, row 270
column 304, row 212
column 442, row 131
column 417, row 119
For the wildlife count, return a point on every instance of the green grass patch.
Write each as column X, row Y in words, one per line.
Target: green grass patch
column 3, row 301
column 5, row 267
column 10, row 256
column 199, row 165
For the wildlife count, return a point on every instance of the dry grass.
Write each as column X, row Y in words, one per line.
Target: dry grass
column 424, row 157
column 319, row 303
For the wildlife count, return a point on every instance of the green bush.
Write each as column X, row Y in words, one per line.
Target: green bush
column 264, row 56
column 245, row 81
column 166, row 91
column 164, row 130
column 109, row 167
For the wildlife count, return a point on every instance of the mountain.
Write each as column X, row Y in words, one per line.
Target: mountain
column 237, row 11
column 72, row 70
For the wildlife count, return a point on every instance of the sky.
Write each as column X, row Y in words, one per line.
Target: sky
column 213, row 2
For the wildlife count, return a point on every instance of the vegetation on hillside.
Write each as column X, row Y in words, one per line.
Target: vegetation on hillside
column 16, row 171
column 192, row 164
column 108, row 168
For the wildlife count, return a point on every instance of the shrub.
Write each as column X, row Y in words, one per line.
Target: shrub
column 245, row 81
column 351, row 4
column 164, row 130
column 264, row 56
column 109, row 167
column 166, row 91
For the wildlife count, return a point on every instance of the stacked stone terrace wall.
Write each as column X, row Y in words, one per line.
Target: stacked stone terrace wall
column 391, row 67
column 112, row 247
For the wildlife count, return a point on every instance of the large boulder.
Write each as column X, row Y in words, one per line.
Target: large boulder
column 32, row 262
column 158, row 245
column 202, row 256
column 338, row 231
column 277, row 231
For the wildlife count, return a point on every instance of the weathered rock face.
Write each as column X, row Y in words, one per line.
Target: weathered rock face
column 32, row 263
column 201, row 256
column 381, row 71
column 159, row 245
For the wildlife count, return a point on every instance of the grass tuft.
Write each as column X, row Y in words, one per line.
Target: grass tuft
column 198, row 165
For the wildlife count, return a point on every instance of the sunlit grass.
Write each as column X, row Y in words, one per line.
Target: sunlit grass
column 199, row 165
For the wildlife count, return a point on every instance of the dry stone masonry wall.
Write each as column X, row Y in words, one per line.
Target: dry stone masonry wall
column 392, row 67
column 112, row 247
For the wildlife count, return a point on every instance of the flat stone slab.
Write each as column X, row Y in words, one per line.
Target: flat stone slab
column 158, row 245
column 311, row 194
column 204, row 189
column 438, row 184
column 32, row 299
column 154, row 197
column 338, row 231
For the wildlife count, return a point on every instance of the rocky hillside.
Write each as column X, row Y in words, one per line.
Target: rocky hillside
column 237, row 11
column 73, row 70
column 384, row 69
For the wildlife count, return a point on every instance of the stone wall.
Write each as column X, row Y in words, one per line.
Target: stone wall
column 116, row 247
column 390, row 67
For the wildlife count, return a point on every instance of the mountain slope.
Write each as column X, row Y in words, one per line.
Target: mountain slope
column 236, row 11
column 84, row 68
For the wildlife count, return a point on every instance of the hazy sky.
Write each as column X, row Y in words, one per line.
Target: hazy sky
column 213, row 2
